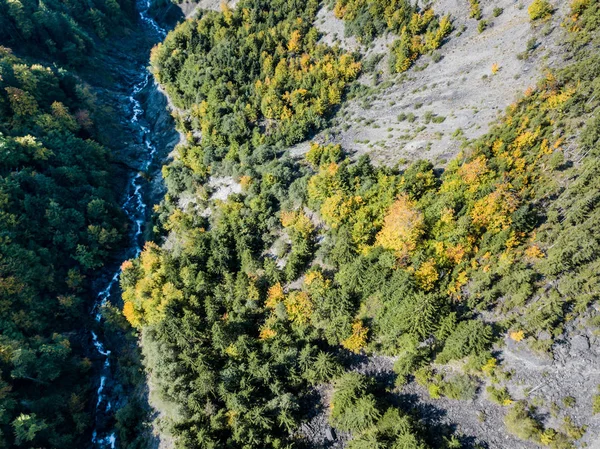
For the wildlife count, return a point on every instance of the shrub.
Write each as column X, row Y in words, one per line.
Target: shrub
column 475, row 11
column 596, row 404
column 579, row 6
column 319, row 155
column 469, row 337
column 539, row 9
column 407, row 363
column 573, row 431
column 519, row 422
column 499, row 395
column 461, row 387
column 569, row 401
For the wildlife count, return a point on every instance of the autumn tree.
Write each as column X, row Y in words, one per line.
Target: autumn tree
column 403, row 227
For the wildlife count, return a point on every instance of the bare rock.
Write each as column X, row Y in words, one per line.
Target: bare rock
column 580, row 343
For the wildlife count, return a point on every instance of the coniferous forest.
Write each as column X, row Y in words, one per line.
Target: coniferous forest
column 293, row 290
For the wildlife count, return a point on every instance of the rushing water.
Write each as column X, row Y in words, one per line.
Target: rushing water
column 135, row 208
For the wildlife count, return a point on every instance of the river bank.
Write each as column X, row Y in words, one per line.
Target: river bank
column 146, row 135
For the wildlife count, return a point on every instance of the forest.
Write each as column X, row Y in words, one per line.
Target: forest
column 59, row 214
column 274, row 279
column 60, row 221
column 256, row 301
column 63, row 31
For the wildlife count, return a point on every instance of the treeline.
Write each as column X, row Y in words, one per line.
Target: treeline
column 61, row 30
column 255, row 299
column 60, row 220
column 420, row 30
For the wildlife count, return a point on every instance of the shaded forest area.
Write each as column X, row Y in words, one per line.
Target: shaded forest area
column 59, row 213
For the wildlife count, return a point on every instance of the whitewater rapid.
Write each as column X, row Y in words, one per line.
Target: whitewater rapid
column 135, row 208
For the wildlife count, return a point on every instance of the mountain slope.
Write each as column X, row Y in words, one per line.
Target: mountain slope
column 330, row 302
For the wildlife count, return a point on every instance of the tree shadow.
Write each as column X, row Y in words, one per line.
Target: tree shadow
column 168, row 15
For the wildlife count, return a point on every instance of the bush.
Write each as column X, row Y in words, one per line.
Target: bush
column 460, row 387
column 475, row 10
column 519, row 422
column 540, row 9
column 407, row 363
column 499, row 395
column 469, row 337
column 596, row 404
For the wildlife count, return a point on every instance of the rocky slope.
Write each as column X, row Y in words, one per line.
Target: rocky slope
column 452, row 96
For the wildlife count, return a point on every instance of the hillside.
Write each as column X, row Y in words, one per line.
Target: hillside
column 455, row 84
column 358, row 224
column 441, row 296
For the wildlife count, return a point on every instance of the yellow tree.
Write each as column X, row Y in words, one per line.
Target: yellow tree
column 358, row 339
column 473, row 172
column 299, row 307
column 275, row 295
column 493, row 212
column 402, row 228
column 427, row 275
column 295, row 41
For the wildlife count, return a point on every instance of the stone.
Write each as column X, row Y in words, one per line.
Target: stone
column 329, row 434
column 580, row 343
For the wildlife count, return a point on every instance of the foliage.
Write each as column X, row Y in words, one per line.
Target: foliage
column 60, row 221
column 475, row 9
column 358, row 339
column 539, row 9
column 318, row 155
column 419, row 31
column 402, row 227
column 354, row 408
column 596, row 403
column 519, row 422
column 438, row 384
column 248, row 78
column 64, row 30
column 499, row 395
column 400, row 263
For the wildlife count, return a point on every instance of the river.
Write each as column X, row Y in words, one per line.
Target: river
column 135, row 206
